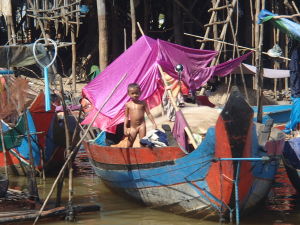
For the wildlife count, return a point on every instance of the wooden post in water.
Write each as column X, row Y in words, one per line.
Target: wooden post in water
column 67, row 133
column 73, row 40
column 4, row 149
column 32, row 185
column 259, row 69
column 76, row 148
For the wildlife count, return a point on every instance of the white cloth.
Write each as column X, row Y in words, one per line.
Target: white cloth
column 5, row 8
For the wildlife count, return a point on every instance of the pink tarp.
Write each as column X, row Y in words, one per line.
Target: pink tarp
column 140, row 63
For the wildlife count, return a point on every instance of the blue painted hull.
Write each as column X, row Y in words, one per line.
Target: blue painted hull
column 291, row 159
column 47, row 141
column 279, row 113
column 199, row 183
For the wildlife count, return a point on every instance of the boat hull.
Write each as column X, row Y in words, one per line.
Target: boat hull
column 291, row 161
column 47, row 142
column 199, row 183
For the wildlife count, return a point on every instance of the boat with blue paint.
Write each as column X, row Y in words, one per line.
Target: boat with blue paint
column 228, row 174
column 47, row 141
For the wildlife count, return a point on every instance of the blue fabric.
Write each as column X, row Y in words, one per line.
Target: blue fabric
column 6, row 72
column 155, row 139
column 23, row 149
column 291, row 152
column 162, row 137
column 295, row 116
column 100, row 139
column 146, row 142
column 265, row 15
column 287, row 26
column 294, row 73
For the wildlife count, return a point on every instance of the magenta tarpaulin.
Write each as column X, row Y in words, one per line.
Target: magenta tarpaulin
column 178, row 130
column 140, row 63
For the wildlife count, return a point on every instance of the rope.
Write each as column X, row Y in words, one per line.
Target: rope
column 45, row 69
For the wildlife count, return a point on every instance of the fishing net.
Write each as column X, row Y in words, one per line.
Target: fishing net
column 13, row 97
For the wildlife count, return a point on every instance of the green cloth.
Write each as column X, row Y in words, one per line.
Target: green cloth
column 13, row 137
column 94, row 71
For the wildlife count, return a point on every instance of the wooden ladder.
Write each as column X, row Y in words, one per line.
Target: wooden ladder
column 213, row 22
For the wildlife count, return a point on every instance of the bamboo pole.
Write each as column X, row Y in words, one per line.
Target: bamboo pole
column 276, row 64
column 215, row 26
column 67, row 133
column 101, row 11
column 125, row 39
column 223, row 32
column 239, row 46
column 211, row 20
column 187, row 128
column 33, row 190
column 252, row 38
column 133, row 21
column 286, row 80
column 4, row 149
column 140, row 28
column 259, row 71
column 42, row 155
column 286, row 16
column 73, row 40
column 295, row 7
column 76, row 148
column 238, row 55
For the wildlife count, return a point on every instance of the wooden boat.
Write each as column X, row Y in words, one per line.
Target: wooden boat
column 47, row 140
column 3, row 185
column 229, row 171
column 291, row 160
column 278, row 113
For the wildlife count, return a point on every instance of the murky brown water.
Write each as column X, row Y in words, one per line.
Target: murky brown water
column 280, row 207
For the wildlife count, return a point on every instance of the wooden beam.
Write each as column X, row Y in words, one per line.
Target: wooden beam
column 220, row 8
column 239, row 46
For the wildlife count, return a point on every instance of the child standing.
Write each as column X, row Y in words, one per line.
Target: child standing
column 135, row 110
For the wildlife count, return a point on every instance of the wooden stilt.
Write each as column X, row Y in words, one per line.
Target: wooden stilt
column 101, row 11
column 32, row 185
column 125, row 39
column 133, row 22
column 67, row 133
column 73, row 40
column 75, row 149
column 259, row 70
column 4, row 150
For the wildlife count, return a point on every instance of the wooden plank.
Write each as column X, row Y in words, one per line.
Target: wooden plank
column 30, row 215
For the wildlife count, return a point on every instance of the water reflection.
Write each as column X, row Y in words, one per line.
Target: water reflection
column 279, row 209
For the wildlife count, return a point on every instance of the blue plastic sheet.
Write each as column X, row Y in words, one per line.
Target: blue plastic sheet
column 295, row 116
